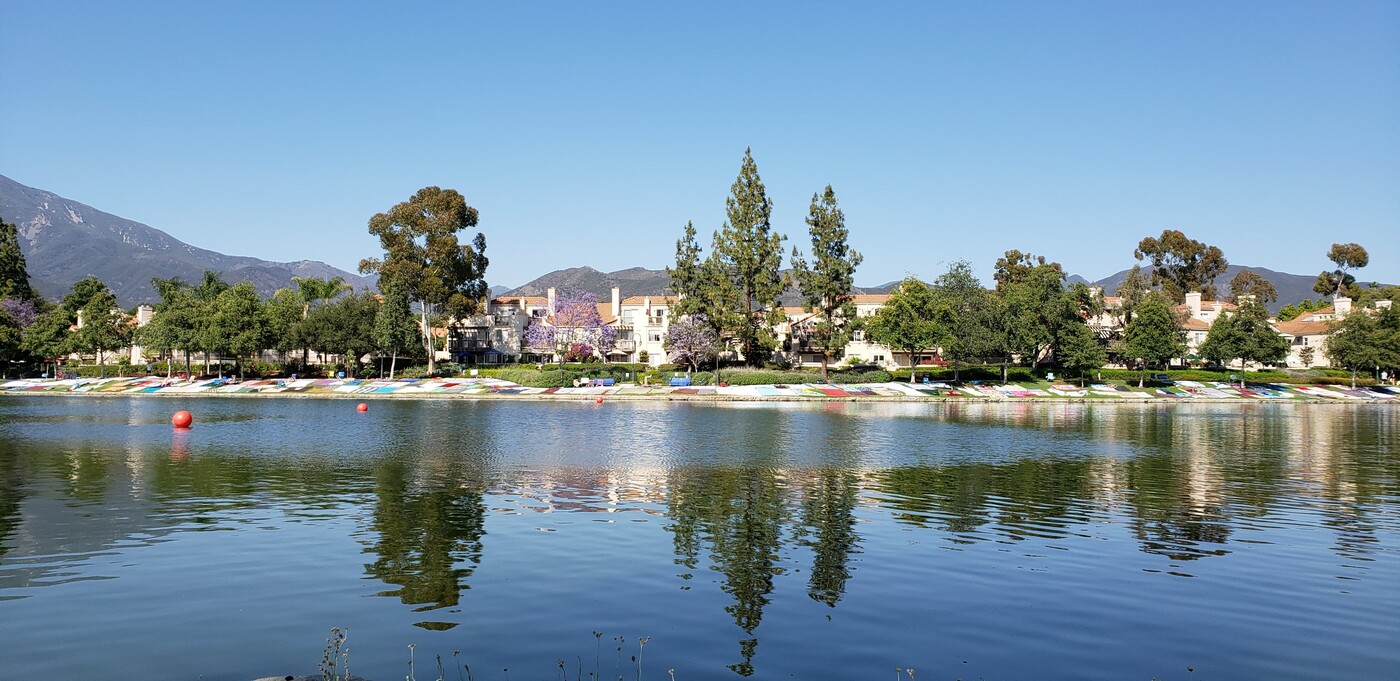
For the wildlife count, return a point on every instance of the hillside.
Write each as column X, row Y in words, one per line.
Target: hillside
column 64, row 241
column 1291, row 287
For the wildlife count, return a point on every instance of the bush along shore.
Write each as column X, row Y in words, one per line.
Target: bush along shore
column 746, row 386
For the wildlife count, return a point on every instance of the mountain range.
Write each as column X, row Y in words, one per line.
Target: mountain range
column 64, row 241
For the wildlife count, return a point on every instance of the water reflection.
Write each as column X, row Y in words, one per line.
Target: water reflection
column 750, row 494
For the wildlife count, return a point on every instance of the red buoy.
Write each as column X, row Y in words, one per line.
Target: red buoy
column 362, row 407
column 182, row 419
column 600, row 400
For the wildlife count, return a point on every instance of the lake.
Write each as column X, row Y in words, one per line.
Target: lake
column 539, row 540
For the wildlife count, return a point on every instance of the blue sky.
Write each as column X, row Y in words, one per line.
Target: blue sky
column 589, row 133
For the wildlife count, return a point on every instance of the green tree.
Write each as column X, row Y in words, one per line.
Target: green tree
column 240, row 319
column 967, row 313
column 1340, row 281
column 908, row 321
column 826, row 283
column 14, row 275
column 1247, row 336
column 1153, row 336
column 1181, row 264
column 394, row 330
column 1248, row 285
column 208, row 338
column 1134, row 287
column 423, row 258
column 173, row 325
column 48, row 338
column 701, row 288
column 750, row 254
column 1077, row 349
column 102, row 326
column 1365, row 342
column 1033, row 305
column 285, row 321
column 313, row 290
column 346, row 328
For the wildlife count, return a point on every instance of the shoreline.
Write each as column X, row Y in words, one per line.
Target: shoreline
column 490, row 390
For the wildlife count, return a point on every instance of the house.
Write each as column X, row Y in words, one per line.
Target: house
column 1307, row 333
column 642, row 323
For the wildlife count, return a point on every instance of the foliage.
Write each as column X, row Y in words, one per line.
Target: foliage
column 691, row 341
column 1078, row 349
column 1339, row 281
column 423, row 258
column 1295, row 310
column 826, row 284
column 14, row 275
column 748, row 257
column 1134, row 287
column 1364, row 342
column 240, row 322
column 344, row 327
column 103, row 325
column 1033, row 304
column 1181, row 264
column 1153, row 335
column 394, row 330
column 1248, row 285
column 967, row 314
column 1246, row 335
column 909, row 321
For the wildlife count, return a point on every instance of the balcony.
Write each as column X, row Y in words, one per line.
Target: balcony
column 625, row 345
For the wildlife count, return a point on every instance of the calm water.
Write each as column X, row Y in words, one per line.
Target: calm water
column 974, row 541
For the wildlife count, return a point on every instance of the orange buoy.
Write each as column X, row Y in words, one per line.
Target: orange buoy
column 362, row 407
column 182, row 419
column 600, row 400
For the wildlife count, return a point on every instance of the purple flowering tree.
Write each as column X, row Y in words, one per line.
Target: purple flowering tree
column 691, row 341
column 574, row 324
column 22, row 312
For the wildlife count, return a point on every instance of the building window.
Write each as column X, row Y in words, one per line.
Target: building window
column 655, row 337
column 879, row 358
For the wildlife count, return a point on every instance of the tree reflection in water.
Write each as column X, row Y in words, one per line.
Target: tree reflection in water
column 428, row 530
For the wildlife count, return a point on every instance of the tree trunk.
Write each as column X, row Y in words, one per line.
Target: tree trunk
column 913, row 366
column 169, row 361
column 427, row 336
column 825, row 378
column 393, row 360
column 1241, row 373
column 101, row 368
column 187, row 366
column 1353, row 379
column 1142, row 376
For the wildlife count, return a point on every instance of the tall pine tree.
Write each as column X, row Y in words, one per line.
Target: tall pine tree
column 749, row 254
column 826, row 283
column 14, row 276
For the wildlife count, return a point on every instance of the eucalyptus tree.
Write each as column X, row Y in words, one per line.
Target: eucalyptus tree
column 1181, row 264
column 1032, row 305
column 1247, row 285
column 749, row 254
column 423, row 257
column 1338, row 281
column 826, row 284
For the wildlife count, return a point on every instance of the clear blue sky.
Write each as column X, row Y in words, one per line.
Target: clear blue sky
column 589, row 133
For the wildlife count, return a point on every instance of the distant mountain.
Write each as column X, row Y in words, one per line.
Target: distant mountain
column 634, row 281
column 1291, row 287
column 64, row 241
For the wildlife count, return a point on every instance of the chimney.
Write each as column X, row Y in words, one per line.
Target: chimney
column 550, row 294
column 1382, row 304
column 144, row 313
column 1342, row 306
column 616, row 302
column 1095, row 291
column 1193, row 303
column 80, row 319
